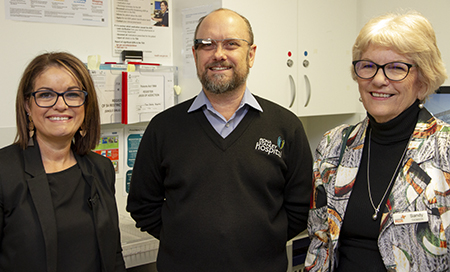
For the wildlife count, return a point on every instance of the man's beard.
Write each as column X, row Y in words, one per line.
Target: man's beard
column 217, row 84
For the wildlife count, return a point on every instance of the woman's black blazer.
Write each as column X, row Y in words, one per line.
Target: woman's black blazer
column 28, row 234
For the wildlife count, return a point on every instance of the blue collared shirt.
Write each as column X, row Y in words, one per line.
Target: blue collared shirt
column 219, row 123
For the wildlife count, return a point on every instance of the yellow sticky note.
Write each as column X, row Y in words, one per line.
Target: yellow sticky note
column 94, row 62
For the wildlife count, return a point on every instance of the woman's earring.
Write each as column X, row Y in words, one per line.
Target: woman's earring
column 420, row 105
column 30, row 127
column 30, row 131
column 360, row 99
column 82, row 132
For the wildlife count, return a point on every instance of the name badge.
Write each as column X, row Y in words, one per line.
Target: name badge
column 410, row 217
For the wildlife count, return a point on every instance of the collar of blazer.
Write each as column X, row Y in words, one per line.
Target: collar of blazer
column 42, row 199
column 422, row 148
column 34, row 167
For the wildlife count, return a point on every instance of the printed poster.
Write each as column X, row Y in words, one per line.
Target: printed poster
column 74, row 12
column 109, row 146
column 143, row 25
column 133, row 136
column 189, row 23
column 108, row 85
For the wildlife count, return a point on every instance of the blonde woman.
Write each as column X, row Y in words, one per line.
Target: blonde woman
column 381, row 187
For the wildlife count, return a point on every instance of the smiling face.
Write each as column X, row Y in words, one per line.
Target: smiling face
column 385, row 99
column 59, row 122
column 163, row 7
column 222, row 70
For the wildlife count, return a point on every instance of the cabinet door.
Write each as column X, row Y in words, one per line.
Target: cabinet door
column 326, row 33
column 274, row 24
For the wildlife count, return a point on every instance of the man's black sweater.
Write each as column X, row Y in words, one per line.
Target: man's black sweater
column 222, row 204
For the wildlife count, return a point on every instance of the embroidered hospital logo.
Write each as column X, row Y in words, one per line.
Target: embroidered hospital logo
column 268, row 147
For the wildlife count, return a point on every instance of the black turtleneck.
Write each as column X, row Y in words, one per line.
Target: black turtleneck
column 358, row 248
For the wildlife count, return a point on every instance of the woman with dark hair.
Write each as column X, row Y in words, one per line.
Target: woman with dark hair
column 381, row 199
column 57, row 204
column 163, row 18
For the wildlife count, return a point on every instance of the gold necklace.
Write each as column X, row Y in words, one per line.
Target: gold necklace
column 377, row 209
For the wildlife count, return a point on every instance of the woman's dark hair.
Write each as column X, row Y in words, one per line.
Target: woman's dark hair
column 91, row 123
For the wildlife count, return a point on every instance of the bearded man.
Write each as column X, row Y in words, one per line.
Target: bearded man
column 222, row 180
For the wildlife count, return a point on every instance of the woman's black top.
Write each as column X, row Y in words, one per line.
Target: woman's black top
column 77, row 242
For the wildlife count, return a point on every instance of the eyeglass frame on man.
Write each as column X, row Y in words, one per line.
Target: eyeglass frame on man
column 382, row 68
column 209, row 41
column 57, row 97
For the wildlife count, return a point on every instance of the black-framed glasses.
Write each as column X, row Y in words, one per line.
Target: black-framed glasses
column 394, row 71
column 211, row 44
column 48, row 98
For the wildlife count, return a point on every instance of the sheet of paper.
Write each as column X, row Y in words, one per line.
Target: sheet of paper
column 134, row 29
column 108, row 86
column 111, row 145
column 189, row 23
column 146, row 92
column 74, row 12
column 144, row 102
column 133, row 136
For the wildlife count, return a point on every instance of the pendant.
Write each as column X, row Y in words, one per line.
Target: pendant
column 374, row 216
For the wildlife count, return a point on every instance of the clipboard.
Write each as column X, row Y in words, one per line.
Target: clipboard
column 108, row 85
column 146, row 92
